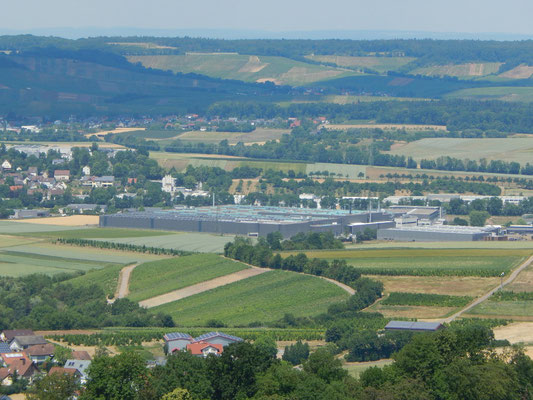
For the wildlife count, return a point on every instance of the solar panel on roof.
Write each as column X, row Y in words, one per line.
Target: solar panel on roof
column 210, row 335
column 176, row 336
column 4, row 348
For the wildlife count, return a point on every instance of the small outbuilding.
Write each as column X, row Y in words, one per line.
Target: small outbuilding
column 414, row 326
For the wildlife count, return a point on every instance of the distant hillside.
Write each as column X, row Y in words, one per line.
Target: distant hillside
column 280, row 70
column 56, row 83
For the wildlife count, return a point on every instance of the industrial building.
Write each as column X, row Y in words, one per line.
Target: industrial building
column 438, row 233
column 414, row 326
column 245, row 220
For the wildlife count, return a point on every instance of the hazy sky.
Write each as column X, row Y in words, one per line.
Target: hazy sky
column 510, row 16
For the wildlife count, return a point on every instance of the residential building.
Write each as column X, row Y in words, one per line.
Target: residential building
column 203, row 349
column 39, row 353
column 82, row 366
column 20, row 343
column 9, row 334
column 86, row 170
column 62, row 175
column 104, row 181
column 6, row 165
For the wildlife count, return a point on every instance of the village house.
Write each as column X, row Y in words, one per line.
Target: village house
column 86, row 170
column 9, row 334
column 39, row 353
column 19, row 364
column 82, row 366
column 6, row 165
column 20, row 343
column 209, row 343
column 104, row 181
column 203, row 349
column 62, row 175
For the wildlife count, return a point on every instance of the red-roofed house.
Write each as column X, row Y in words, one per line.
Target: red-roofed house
column 19, row 363
column 204, row 349
column 40, row 352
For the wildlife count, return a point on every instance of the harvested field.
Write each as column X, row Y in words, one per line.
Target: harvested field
column 411, row 311
column 468, row 70
column 73, row 220
column 523, row 282
column 517, row 149
column 518, row 332
column 502, row 93
column 265, row 298
column 259, row 135
column 521, row 72
column 457, row 285
column 113, row 131
column 8, row 241
column 409, row 127
column 506, row 309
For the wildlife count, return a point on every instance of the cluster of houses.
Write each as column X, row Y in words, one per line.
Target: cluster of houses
column 22, row 353
column 202, row 346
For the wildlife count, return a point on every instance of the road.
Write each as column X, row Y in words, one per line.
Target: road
column 481, row 299
column 123, row 287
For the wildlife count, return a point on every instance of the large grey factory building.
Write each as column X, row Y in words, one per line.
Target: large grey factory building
column 245, row 220
column 438, row 233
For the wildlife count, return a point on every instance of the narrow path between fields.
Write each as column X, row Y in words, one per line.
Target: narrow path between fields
column 344, row 287
column 481, row 299
column 123, row 286
column 201, row 287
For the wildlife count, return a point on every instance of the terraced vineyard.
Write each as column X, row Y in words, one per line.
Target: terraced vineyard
column 263, row 298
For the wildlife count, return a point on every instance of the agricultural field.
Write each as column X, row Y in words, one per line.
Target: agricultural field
column 355, row 369
column 72, row 220
column 17, row 228
column 16, row 263
column 262, row 298
column 428, row 262
column 408, row 127
column 349, row 99
column 520, row 244
column 158, row 277
column 279, row 70
column 379, row 64
column 101, row 233
column 180, row 161
column 105, row 278
column 102, row 256
column 464, row 71
column 186, row 241
column 503, row 93
column 520, row 72
column 519, row 149
column 260, row 135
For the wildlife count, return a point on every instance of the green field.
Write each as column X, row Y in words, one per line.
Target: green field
column 105, row 278
column 428, row 262
column 465, row 71
column 20, row 264
column 279, row 70
column 515, row 308
column 355, row 369
column 82, row 253
column 519, row 149
column 379, row 64
column 504, row 93
column 187, row 241
column 102, row 233
column 159, row 277
column 13, row 228
column 262, row 298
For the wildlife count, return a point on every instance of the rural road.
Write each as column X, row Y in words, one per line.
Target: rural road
column 201, row 287
column 123, row 287
column 481, row 299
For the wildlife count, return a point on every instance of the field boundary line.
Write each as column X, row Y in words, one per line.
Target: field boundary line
column 201, row 287
column 481, row 299
column 343, row 286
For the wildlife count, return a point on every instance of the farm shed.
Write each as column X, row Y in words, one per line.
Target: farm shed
column 417, row 326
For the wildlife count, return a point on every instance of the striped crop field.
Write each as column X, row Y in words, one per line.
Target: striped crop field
column 259, row 299
column 428, row 262
column 158, row 277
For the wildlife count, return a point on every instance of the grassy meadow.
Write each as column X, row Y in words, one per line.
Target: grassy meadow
column 262, row 298
column 159, row 277
column 379, row 64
